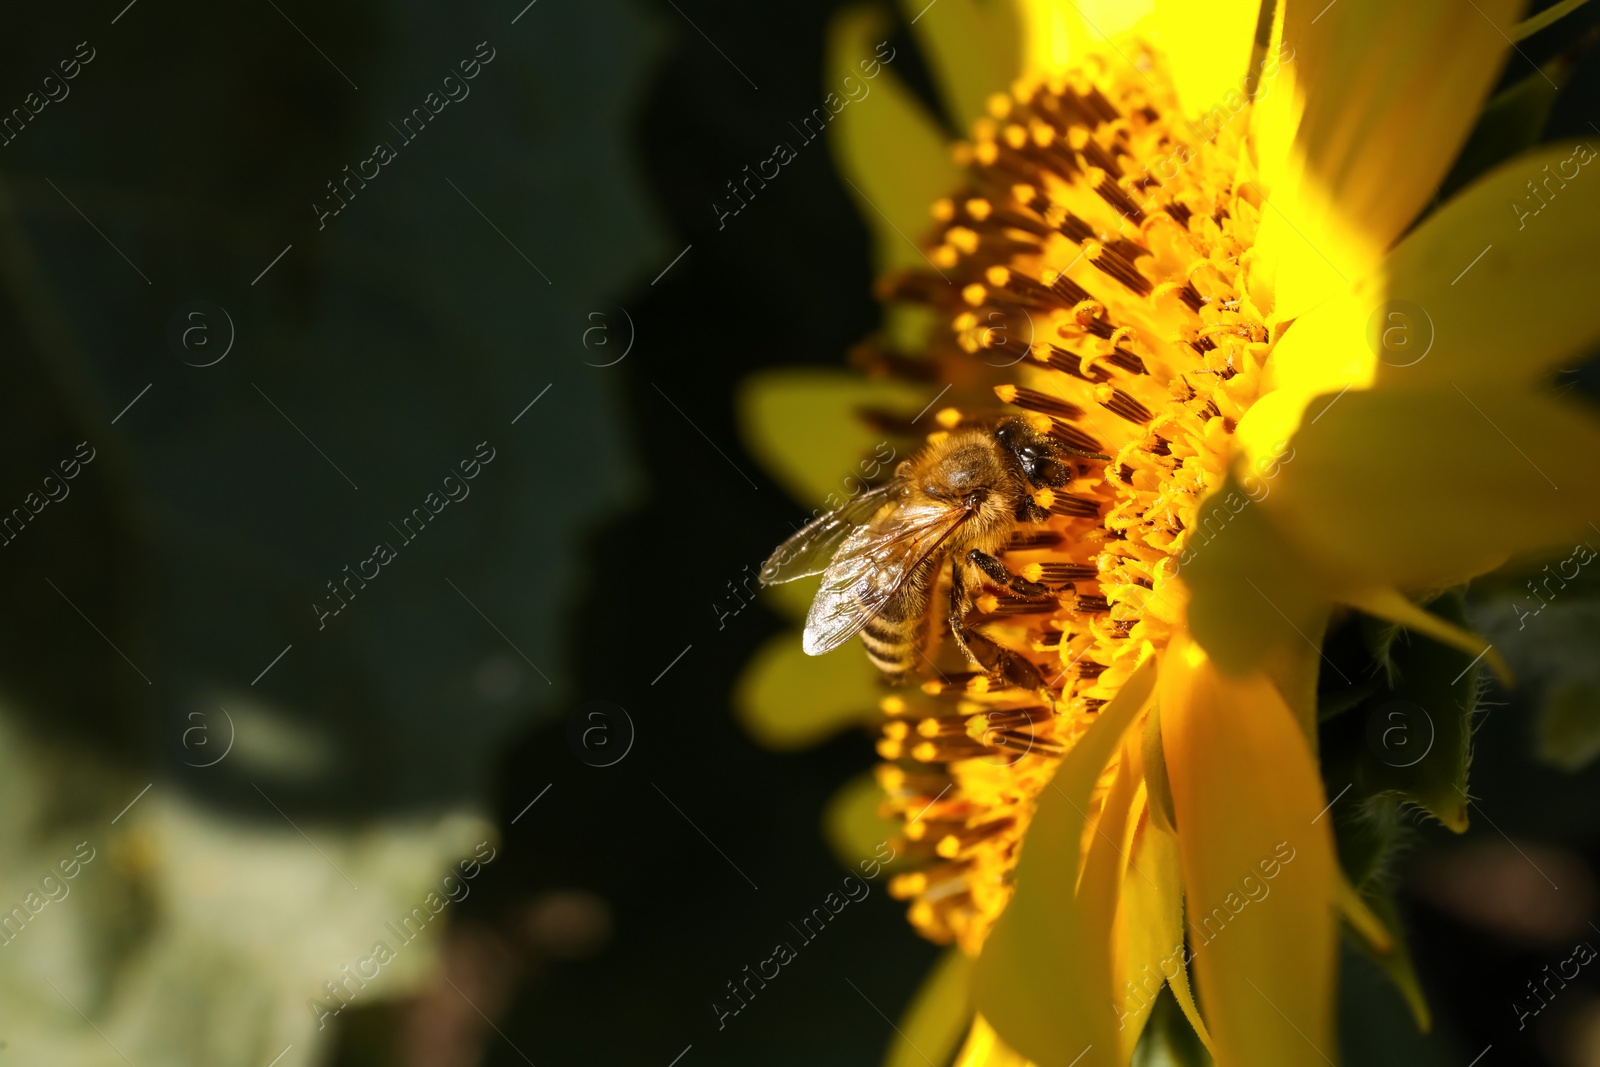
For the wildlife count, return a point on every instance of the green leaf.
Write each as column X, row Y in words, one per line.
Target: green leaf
column 1547, row 623
column 1396, row 963
column 1569, row 725
column 1396, row 715
column 1510, row 123
column 1411, row 738
column 1365, row 831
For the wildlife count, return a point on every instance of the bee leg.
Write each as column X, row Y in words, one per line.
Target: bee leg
column 997, row 661
column 1029, row 511
column 1000, row 662
column 1001, row 575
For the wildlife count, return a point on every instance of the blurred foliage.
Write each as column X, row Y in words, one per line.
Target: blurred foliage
column 378, row 351
column 396, row 339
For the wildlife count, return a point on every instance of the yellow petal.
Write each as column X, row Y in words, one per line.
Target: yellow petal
column 974, row 47
column 1100, row 893
column 1043, row 978
column 1259, row 875
column 801, row 424
column 1421, row 490
column 1149, row 925
column 1494, row 288
column 1255, row 596
column 1360, row 127
column 787, row 699
column 937, row 1017
column 1158, row 793
column 1057, row 33
column 1559, row 10
column 1207, row 47
column 851, row 823
column 892, row 154
column 983, row 1048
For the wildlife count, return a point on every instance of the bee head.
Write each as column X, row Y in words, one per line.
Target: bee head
column 1040, row 460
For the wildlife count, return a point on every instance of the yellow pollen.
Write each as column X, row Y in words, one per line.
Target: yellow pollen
column 1144, row 348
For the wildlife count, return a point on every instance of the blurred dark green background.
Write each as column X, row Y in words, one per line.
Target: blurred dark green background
column 468, row 279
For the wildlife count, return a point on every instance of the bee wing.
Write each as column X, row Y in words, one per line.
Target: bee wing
column 808, row 551
column 871, row 567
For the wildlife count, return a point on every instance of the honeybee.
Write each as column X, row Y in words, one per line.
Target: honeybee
column 881, row 554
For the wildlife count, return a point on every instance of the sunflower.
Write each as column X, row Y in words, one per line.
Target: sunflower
column 1187, row 237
